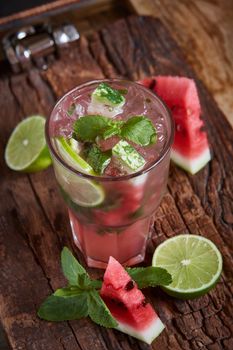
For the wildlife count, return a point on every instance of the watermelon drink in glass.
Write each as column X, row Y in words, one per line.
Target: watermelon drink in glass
column 110, row 142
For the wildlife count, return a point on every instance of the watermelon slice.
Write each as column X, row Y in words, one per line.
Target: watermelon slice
column 134, row 315
column 190, row 149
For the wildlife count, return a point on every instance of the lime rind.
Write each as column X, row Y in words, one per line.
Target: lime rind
column 82, row 191
column 26, row 146
column 73, row 158
column 196, row 268
column 42, row 162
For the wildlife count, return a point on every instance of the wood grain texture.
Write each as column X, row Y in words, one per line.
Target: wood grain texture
column 204, row 31
column 34, row 226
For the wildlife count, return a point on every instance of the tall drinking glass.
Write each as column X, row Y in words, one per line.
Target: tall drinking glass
column 111, row 215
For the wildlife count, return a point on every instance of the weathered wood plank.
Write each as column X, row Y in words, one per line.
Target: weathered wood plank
column 38, row 227
column 203, row 30
column 74, row 67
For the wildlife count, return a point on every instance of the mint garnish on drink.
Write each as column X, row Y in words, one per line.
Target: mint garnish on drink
column 81, row 298
column 138, row 129
column 92, row 131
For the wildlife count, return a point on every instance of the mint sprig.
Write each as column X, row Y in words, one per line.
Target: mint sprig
column 138, row 129
column 81, row 298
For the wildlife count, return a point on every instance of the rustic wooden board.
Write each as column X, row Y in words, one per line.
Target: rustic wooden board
column 34, row 225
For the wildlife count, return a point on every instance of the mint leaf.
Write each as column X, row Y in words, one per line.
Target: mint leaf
column 97, row 159
column 57, row 308
column 96, row 284
column 71, row 267
column 140, row 130
column 98, row 311
column 84, row 281
column 107, row 95
column 149, row 276
column 87, row 128
column 113, row 129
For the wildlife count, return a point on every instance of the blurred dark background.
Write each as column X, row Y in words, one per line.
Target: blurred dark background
column 9, row 7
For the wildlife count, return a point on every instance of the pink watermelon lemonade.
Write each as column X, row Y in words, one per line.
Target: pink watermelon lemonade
column 110, row 142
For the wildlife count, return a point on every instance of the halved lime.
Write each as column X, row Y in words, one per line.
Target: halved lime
column 82, row 191
column 194, row 262
column 26, row 149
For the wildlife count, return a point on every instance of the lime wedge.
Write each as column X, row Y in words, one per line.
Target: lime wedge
column 194, row 262
column 82, row 191
column 26, row 149
column 67, row 150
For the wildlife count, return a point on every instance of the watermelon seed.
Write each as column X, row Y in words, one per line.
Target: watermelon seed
column 118, row 303
column 142, row 304
column 129, row 285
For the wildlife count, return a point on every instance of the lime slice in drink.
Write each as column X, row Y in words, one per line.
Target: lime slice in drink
column 26, row 149
column 194, row 262
column 68, row 151
column 82, row 191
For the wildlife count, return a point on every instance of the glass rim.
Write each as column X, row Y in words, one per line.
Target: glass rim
column 161, row 156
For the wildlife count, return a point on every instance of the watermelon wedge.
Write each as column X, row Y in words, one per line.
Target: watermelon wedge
column 134, row 315
column 190, row 149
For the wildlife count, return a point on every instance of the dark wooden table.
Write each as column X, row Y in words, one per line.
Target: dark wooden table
column 34, row 226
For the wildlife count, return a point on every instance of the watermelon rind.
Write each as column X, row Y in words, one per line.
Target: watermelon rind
column 192, row 165
column 147, row 335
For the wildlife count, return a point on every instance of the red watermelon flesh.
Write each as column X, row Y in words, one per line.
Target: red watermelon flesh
column 127, row 304
column 190, row 149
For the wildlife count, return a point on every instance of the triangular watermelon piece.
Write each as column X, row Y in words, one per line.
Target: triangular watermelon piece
column 134, row 315
column 190, row 149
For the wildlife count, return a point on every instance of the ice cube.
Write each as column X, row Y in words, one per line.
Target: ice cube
column 102, row 109
column 128, row 157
